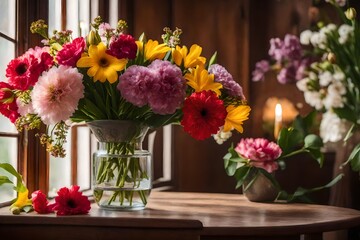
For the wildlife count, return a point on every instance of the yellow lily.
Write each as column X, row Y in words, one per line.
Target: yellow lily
column 199, row 79
column 154, row 50
column 102, row 66
column 190, row 59
column 235, row 117
column 21, row 202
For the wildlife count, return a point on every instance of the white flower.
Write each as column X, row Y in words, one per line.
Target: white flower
column 222, row 136
column 305, row 37
column 302, row 84
column 339, row 76
column 314, row 99
column 24, row 108
column 332, row 128
column 325, row 78
column 345, row 31
column 319, row 40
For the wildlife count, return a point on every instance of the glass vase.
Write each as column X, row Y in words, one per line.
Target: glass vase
column 122, row 170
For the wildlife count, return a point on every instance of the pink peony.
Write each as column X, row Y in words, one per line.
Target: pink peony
column 71, row 52
column 123, row 47
column 57, row 93
column 260, row 152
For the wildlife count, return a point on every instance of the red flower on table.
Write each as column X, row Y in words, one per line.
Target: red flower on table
column 204, row 114
column 70, row 202
column 40, row 203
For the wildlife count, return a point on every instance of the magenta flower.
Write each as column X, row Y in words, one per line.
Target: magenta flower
column 71, row 52
column 8, row 106
column 260, row 152
column 123, row 47
column 226, row 79
column 56, row 95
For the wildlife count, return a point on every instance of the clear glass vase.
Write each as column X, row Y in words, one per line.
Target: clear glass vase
column 122, row 170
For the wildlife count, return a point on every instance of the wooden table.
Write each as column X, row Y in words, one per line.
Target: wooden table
column 177, row 215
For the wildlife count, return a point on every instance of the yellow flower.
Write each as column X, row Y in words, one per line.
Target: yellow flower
column 235, row 117
column 154, row 50
column 191, row 59
column 102, row 66
column 21, row 202
column 199, row 79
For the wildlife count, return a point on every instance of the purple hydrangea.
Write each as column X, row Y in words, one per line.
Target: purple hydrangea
column 226, row 79
column 169, row 90
column 160, row 85
column 261, row 68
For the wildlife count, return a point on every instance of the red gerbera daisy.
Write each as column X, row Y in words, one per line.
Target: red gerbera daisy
column 204, row 114
column 71, row 202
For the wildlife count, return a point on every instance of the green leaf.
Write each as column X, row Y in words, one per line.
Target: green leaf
column 354, row 158
column 313, row 141
column 240, row 175
column 346, row 113
column 317, row 155
column 231, row 168
column 10, row 169
column 305, row 124
column 27, row 208
column 289, row 139
column 213, row 59
column 298, row 195
column 270, row 177
column 5, row 179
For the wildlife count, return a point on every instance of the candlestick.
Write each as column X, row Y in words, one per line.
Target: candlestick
column 278, row 120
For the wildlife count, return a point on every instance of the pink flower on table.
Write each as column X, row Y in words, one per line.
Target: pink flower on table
column 261, row 68
column 261, row 152
column 70, row 201
column 123, row 46
column 71, row 52
column 56, row 95
column 40, row 203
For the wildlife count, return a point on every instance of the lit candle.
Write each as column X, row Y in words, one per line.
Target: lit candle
column 278, row 120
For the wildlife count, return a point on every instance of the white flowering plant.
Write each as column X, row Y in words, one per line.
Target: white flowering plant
column 332, row 84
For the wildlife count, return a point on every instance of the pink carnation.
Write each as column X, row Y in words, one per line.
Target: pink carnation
column 260, row 152
column 160, row 85
column 132, row 84
column 71, row 52
column 169, row 88
column 57, row 93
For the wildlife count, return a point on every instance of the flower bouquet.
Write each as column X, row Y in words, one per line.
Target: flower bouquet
column 254, row 162
column 110, row 76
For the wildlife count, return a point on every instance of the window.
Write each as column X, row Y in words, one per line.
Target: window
column 9, row 137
